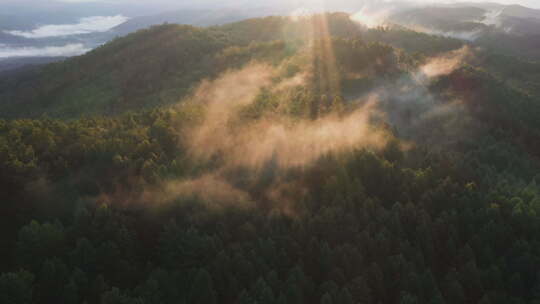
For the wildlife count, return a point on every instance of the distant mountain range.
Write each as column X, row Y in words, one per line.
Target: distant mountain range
column 64, row 45
column 25, row 63
column 514, row 28
column 513, row 19
column 510, row 29
column 191, row 17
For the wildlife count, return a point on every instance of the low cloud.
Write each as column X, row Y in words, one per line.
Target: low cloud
column 84, row 26
column 372, row 16
column 275, row 140
column 274, row 143
column 461, row 35
column 445, row 63
column 293, row 143
column 492, row 18
column 211, row 189
column 278, row 142
column 67, row 50
column 288, row 141
column 420, row 116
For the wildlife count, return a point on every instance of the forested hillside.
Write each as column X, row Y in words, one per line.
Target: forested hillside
column 503, row 29
column 153, row 67
column 142, row 68
column 273, row 160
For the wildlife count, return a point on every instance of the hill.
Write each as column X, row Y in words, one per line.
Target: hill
column 161, row 65
column 190, row 16
column 153, row 62
column 152, row 67
column 505, row 29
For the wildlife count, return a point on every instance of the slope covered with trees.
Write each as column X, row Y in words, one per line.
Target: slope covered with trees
column 143, row 68
column 149, row 68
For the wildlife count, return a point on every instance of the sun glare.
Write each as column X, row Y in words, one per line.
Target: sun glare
column 317, row 31
column 370, row 18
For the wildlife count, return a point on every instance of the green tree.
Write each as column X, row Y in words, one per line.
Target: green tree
column 454, row 289
column 38, row 242
column 115, row 296
column 344, row 297
column 70, row 293
column 360, row 291
column 407, row 298
column 326, row 299
column 16, row 287
column 202, row 291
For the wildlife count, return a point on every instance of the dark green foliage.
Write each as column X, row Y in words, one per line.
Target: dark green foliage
column 202, row 290
column 115, row 296
column 140, row 70
column 16, row 288
column 38, row 242
column 411, row 41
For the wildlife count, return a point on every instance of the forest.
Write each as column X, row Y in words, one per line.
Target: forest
column 272, row 160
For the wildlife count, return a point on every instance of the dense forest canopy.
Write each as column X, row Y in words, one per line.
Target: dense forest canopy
column 272, row 160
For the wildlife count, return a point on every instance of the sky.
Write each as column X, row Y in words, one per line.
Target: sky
column 83, row 26
column 529, row 3
column 67, row 18
column 165, row 4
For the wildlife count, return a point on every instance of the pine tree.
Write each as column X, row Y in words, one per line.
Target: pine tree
column 70, row 293
column 454, row 290
column 16, row 288
column 344, row 297
column 360, row 291
column 202, row 291
column 326, row 299
column 407, row 298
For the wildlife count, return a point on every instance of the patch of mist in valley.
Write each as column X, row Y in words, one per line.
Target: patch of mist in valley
column 281, row 144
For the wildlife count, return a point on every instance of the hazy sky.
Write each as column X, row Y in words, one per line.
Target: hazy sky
column 529, row 3
column 63, row 18
column 70, row 11
column 84, row 26
column 177, row 3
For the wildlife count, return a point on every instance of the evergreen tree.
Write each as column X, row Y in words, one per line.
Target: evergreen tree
column 202, row 291
column 16, row 288
column 326, row 299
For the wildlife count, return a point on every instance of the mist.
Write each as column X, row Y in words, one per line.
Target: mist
column 443, row 64
column 284, row 142
column 139, row 7
column 289, row 141
column 419, row 115
column 86, row 25
column 67, row 50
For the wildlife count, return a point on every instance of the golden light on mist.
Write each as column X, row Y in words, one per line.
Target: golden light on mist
column 370, row 18
column 313, row 17
column 324, row 61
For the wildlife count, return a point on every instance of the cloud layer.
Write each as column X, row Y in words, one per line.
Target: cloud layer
column 50, row 51
column 84, row 26
column 288, row 141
